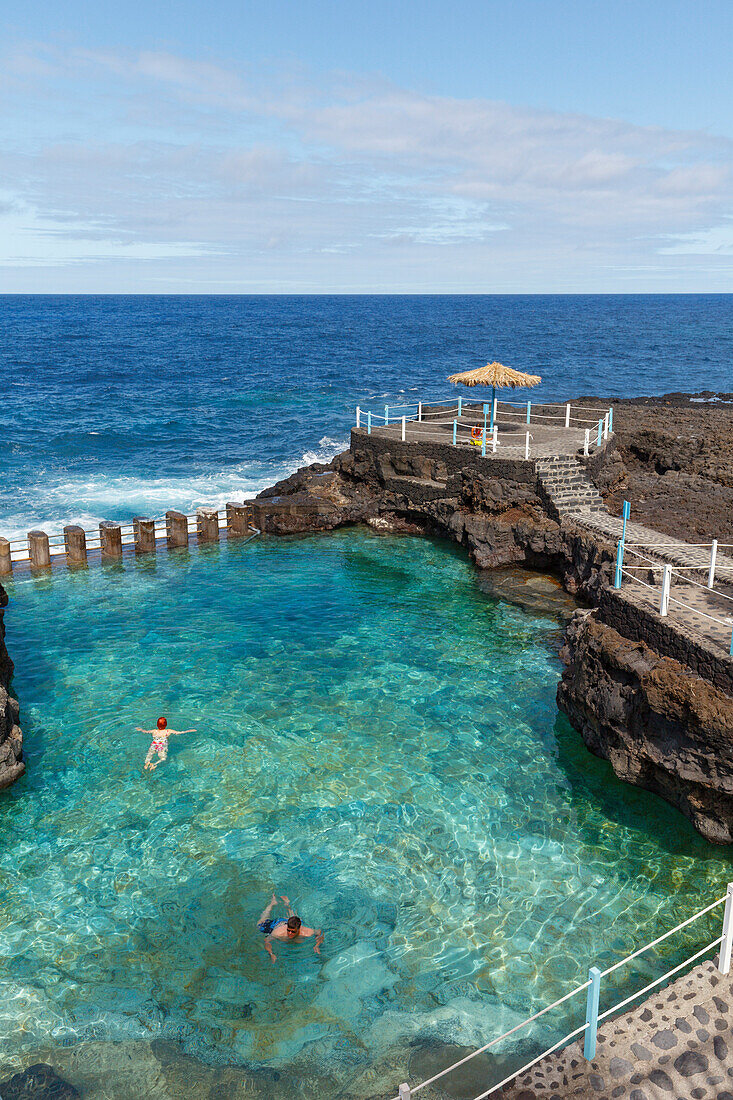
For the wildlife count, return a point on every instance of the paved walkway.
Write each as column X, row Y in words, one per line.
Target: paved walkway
column 690, row 601
column 677, row 1045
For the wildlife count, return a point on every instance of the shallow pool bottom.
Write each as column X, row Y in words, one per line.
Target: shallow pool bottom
column 378, row 739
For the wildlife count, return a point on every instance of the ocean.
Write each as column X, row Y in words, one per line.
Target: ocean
column 119, row 406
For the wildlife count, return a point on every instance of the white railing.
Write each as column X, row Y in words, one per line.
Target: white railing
column 566, row 415
column 460, row 432
column 662, row 593
column 593, row 985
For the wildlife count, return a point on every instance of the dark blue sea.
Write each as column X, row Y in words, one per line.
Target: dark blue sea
column 115, row 406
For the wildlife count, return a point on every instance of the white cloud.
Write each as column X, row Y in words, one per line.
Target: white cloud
column 157, row 156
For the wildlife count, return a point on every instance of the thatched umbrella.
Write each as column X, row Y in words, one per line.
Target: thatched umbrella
column 494, row 374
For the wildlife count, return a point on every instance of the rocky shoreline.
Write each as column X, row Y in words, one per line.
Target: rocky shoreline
column 11, row 738
column 663, row 724
column 664, row 719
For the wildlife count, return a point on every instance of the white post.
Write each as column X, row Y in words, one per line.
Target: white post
column 605, row 426
column 586, row 445
column 666, row 583
column 419, row 410
column 713, row 557
column 567, row 415
column 405, row 1093
column 403, row 428
column 493, row 414
column 727, row 942
column 358, row 417
column 494, row 439
column 526, row 446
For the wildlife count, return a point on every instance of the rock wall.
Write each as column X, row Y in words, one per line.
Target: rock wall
column 664, row 724
column 661, row 726
column 11, row 738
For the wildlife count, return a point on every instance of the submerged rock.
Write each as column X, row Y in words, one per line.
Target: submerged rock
column 40, row 1082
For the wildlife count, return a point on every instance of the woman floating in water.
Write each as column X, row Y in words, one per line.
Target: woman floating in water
column 160, row 742
column 288, row 929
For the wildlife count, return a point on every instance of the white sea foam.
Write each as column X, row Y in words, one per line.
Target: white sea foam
column 88, row 500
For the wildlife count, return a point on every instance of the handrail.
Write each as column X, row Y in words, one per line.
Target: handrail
column 593, row 1018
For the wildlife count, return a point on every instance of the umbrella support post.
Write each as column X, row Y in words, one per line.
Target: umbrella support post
column 494, row 411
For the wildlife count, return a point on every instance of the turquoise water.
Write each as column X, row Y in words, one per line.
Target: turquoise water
column 377, row 738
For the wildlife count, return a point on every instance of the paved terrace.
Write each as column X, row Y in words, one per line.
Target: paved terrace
column 548, row 436
column 694, row 609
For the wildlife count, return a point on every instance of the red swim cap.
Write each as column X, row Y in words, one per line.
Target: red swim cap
column 162, row 723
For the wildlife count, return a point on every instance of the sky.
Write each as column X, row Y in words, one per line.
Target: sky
column 345, row 146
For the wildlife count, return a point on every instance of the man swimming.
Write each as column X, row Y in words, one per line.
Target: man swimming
column 159, row 745
column 288, row 929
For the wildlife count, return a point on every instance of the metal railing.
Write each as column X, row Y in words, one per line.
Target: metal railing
column 566, row 416
column 593, row 987
column 462, row 432
column 663, row 591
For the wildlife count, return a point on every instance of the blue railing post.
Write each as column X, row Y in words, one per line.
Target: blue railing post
column 600, row 432
column 369, row 422
column 460, row 406
column 529, row 410
column 455, row 431
column 386, row 415
column 610, row 419
column 625, row 514
column 591, row 1013
column 619, row 563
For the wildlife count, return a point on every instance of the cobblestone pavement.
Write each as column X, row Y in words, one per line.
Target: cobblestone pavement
column 677, row 1045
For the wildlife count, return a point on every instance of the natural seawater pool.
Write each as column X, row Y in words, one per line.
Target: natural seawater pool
column 377, row 737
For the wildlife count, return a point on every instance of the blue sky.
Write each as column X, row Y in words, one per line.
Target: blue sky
column 539, row 145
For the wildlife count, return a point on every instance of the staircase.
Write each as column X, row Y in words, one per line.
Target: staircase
column 566, row 487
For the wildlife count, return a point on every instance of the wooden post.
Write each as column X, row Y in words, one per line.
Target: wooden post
column 237, row 520
column 144, row 533
column 207, row 524
column 176, row 529
column 75, row 544
column 110, row 539
column 38, row 550
column 6, row 562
